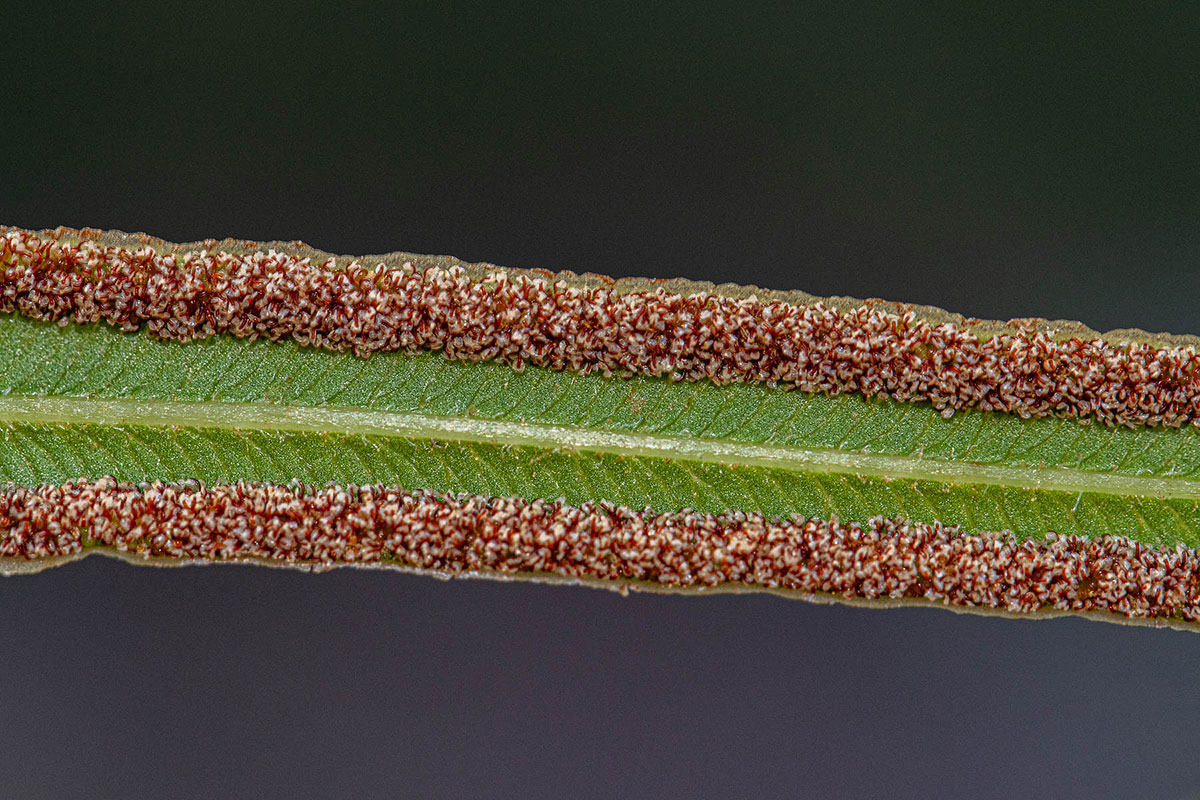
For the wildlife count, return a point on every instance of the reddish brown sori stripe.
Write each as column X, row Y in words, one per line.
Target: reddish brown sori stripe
column 519, row 320
column 454, row 534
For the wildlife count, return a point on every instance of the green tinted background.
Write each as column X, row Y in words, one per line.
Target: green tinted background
column 997, row 159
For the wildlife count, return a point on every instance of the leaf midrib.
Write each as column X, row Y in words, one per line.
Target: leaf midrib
column 261, row 416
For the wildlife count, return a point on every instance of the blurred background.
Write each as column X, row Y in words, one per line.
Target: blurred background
column 994, row 159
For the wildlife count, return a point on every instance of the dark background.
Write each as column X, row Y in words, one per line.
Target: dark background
column 998, row 161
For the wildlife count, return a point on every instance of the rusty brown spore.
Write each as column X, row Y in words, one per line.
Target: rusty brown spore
column 525, row 320
column 454, row 534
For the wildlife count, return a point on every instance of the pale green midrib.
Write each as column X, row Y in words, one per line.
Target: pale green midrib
column 40, row 359
column 357, row 421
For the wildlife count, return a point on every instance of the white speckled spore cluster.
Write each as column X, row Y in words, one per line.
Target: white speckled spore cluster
column 526, row 320
column 466, row 533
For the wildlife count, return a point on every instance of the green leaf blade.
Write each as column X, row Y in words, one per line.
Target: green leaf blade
column 88, row 401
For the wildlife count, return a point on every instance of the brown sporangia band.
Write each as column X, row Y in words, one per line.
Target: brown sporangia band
column 453, row 534
column 522, row 320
